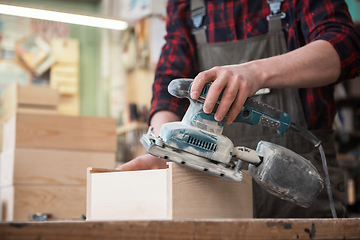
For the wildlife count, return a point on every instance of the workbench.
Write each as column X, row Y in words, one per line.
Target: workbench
column 185, row 229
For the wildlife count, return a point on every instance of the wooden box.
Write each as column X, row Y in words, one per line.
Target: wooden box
column 28, row 130
column 62, row 201
column 24, row 166
column 174, row 193
column 35, row 99
column 1, row 134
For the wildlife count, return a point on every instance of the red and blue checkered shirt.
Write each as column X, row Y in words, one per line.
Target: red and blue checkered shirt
column 227, row 21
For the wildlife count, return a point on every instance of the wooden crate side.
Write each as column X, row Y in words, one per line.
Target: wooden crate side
column 52, row 167
column 61, row 132
column 88, row 193
column 196, row 194
column 9, row 132
column 33, row 99
column 63, row 202
column 7, row 203
column 35, row 95
column 9, row 102
column 37, row 109
column 6, row 168
column 131, row 195
column 1, row 134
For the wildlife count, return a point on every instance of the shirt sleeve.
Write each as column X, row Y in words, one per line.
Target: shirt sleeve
column 331, row 21
column 177, row 60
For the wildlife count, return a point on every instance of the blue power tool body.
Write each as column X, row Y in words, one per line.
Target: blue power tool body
column 200, row 137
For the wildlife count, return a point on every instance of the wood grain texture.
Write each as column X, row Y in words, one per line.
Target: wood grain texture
column 252, row 229
column 1, row 134
column 29, row 99
column 60, row 132
column 36, row 95
column 9, row 102
column 62, row 201
column 174, row 193
column 51, row 167
column 197, row 194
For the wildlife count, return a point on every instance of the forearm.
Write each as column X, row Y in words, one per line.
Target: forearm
column 314, row 65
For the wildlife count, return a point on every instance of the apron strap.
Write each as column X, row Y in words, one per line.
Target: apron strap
column 275, row 24
column 198, row 12
column 275, row 15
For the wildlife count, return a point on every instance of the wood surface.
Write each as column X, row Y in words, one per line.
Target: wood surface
column 65, row 50
column 216, row 229
column 174, row 193
column 36, row 95
column 29, row 99
column 69, row 105
column 127, row 195
column 1, row 134
column 17, row 202
column 65, row 78
column 81, row 133
column 51, row 167
column 197, row 194
column 9, row 102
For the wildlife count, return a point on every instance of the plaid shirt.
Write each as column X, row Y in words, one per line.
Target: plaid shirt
column 226, row 21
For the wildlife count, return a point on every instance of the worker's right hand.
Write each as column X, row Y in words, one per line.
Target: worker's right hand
column 144, row 162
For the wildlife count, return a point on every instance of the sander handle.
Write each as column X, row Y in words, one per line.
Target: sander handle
column 253, row 112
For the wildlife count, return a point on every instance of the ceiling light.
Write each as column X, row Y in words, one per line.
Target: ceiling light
column 62, row 17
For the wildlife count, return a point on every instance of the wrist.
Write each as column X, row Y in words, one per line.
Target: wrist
column 267, row 73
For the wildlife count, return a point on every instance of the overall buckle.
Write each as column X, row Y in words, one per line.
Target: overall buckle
column 197, row 17
column 275, row 9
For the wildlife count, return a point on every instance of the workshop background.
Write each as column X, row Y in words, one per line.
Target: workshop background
column 106, row 73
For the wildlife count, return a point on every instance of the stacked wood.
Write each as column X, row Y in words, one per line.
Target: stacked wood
column 44, row 161
column 19, row 98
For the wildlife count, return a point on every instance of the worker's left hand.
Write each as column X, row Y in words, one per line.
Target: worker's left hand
column 238, row 82
column 144, row 162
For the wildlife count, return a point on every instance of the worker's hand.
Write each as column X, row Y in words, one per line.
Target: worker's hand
column 144, row 162
column 238, row 82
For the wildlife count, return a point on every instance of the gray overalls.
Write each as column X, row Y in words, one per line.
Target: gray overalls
column 288, row 100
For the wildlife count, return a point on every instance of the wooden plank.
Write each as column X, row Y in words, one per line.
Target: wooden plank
column 65, row 78
column 61, row 201
column 1, row 133
column 36, row 95
column 65, row 50
column 29, row 99
column 46, row 166
column 27, row 130
column 174, row 193
column 235, row 229
column 127, row 195
column 69, row 105
column 9, row 104
column 197, row 194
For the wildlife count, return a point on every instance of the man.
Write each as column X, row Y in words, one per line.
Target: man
column 297, row 49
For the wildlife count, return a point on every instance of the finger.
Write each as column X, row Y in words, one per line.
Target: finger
column 133, row 165
column 200, row 80
column 144, row 162
column 214, row 92
column 230, row 94
column 237, row 106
